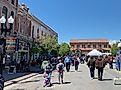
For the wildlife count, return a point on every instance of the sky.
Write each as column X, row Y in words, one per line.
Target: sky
column 79, row 19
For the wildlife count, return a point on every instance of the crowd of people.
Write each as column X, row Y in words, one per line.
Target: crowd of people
column 58, row 64
column 93, row 62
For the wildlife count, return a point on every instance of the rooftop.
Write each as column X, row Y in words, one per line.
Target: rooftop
column 88, row 40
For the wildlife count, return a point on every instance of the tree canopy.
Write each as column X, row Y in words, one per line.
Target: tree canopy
column 114, row 49
column 64, row 49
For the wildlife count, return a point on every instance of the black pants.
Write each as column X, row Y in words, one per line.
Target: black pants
column 76, row 67
column 67, row 67
column 100, row 73
column 111, row 65
column 92, row 72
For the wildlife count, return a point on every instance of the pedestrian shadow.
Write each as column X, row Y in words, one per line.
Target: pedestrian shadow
column 107, row 79
column 59, row 83
column 79, row 71
column 66, row 82
column 72, row 71
column 31, row 81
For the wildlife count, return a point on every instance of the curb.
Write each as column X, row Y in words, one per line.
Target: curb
column 8, row 83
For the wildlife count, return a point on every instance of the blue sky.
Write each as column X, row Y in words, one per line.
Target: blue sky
column 79, row 18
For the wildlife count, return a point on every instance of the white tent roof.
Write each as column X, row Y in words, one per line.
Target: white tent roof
column 94, row 52
column 106, row 53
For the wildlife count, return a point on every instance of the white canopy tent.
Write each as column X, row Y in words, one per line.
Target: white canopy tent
column 106, row 53
column 94, row 52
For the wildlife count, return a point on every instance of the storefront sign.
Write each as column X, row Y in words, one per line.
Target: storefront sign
column 10, row 44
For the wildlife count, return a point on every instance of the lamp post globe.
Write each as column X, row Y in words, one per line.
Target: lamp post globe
column 2, row 20
column 10, row 20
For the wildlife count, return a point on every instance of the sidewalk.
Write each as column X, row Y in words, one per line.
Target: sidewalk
column 8, row 77
column 16, row 80
column 17, row 77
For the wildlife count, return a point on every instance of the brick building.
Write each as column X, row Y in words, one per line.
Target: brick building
column 26, row 28
column 86, row 45
column 24, row 41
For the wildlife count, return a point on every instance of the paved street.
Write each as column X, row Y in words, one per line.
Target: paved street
column 72, row 81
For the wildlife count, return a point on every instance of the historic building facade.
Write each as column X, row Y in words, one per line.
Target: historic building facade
column 26, row 29
column 24, row 40
column 86, row 45
column 39, row 31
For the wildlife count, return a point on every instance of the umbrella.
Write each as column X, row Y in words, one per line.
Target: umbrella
column 94, row 52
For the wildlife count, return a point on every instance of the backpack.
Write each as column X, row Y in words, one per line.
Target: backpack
column 60, row 67
column 48, row 69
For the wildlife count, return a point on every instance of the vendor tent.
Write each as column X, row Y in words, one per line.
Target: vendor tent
column 94, row 52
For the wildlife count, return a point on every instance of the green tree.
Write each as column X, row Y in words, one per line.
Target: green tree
column 50, row 44
column 114, row 49
column 64, row 49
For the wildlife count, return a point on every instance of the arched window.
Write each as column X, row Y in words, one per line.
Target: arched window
column 13, row 2
column 5, row 11
column 38, row 33
column 32, row 31
column 12, row 14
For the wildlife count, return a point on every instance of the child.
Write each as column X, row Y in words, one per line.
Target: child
column 47, row 75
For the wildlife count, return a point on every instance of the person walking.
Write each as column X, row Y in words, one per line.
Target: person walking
column 100, row 64
column 60, row 69
column 118, row 62
column 91, row 65
column 67, row 62
column 76, row 60
column 110, row 62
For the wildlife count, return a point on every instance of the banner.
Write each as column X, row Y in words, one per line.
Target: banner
column 10, row 43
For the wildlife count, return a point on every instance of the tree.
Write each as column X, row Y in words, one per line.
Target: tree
column 64, row 49
column 114, row 49
column 50, row 44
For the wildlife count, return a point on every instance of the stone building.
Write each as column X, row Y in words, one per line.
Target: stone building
column 86, row 45
column 40, row 30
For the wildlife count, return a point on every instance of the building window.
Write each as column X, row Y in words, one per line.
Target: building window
column 105, row 46
column 100, row 46
column 94, row 46
column 5, row 11
column 32, row 31
column 13, row 2
column 45, row 35
column 12, row 14
column 72, row 46
column 41, row 33
column 83, row 46
column 89, row 46
column 78, row 46
column 38, row 33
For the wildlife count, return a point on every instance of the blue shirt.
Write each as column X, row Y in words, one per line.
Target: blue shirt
column 67, row 60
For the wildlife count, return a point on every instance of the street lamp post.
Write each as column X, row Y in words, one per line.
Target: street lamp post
column 4, row 29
